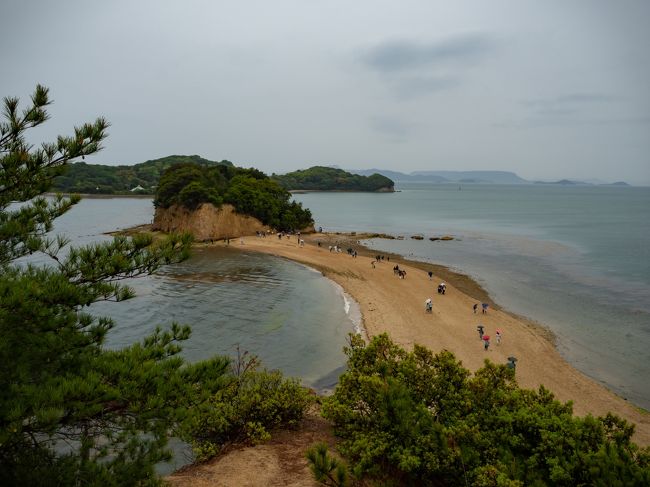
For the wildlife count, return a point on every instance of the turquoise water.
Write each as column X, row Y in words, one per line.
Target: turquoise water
column 289, row 315
column 575, row 259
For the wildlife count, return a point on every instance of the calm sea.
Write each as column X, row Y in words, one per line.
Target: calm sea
column 575, row 259
column 289, row 315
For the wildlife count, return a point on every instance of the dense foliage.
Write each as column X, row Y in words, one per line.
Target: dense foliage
column 246, row 409
column 101, row 179
column 415, row 418
column 250, row 191
column 323, row 178
column 71, row 411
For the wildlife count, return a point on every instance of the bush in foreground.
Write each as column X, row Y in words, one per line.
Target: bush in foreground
column 253, row 403
column 415, row 418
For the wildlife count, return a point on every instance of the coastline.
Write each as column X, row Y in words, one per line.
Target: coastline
column 391, row 305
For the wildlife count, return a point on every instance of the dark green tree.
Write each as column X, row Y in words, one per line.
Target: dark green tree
column 415, row 418
column 250, row 191
column 321, row 178
column 72, row 412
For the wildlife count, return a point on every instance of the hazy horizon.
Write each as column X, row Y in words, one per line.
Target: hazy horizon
column 547, row 90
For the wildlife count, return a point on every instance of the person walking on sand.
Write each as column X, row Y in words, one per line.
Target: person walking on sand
column 430, row 275
column 486, row 343
column 428, row 305
column 480, row 331
column 498, row 335
column 475, row 307
column 484, row 307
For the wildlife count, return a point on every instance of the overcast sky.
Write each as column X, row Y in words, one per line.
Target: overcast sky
column 547, row 89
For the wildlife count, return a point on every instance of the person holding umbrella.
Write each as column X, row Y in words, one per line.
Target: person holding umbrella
column 486, row 342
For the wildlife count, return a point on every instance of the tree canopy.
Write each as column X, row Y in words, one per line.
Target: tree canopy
column 71, row 411
column 321, row 178
column 250, row 191
column 418, row 418
column 82, row 177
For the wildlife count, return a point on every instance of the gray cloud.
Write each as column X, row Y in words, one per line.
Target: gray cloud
column 401, row 55
column 421, row 83
column 412, row 69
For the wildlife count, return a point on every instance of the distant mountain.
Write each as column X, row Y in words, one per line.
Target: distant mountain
column 474, row 177
column 494, row 177
column 575, row 182
column 563, row 182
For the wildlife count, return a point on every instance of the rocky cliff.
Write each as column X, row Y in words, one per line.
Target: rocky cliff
column 207, row 222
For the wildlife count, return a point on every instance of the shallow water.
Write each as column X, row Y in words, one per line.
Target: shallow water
column 575, row 259
column 290, row 316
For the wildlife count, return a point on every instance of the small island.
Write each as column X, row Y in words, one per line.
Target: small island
column 321, row 178
column 224, row 201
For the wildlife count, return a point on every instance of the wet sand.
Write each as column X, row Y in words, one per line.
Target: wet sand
column 396, row 306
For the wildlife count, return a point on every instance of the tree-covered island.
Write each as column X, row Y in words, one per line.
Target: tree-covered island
column 321, row 178
column 249, row 191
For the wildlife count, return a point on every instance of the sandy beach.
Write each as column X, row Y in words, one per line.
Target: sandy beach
column 396, row 306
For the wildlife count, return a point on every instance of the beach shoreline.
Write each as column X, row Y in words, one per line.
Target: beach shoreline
column 388, row 304
column 395, row 306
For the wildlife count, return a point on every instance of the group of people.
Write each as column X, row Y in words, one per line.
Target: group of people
column 486, row 338
column 401, row 273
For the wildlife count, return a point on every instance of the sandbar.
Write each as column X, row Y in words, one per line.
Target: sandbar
column 396, row 306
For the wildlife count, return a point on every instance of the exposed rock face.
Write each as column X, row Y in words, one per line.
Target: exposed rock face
column 207, row 222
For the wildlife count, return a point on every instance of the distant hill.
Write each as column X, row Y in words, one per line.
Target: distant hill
column 490, row 177
column 103, row 179
column 321, row 178
column 565, row 182
column 574, row 182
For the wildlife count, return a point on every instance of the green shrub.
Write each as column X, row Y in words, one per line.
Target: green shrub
column 247, row 409
column 415, row 418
